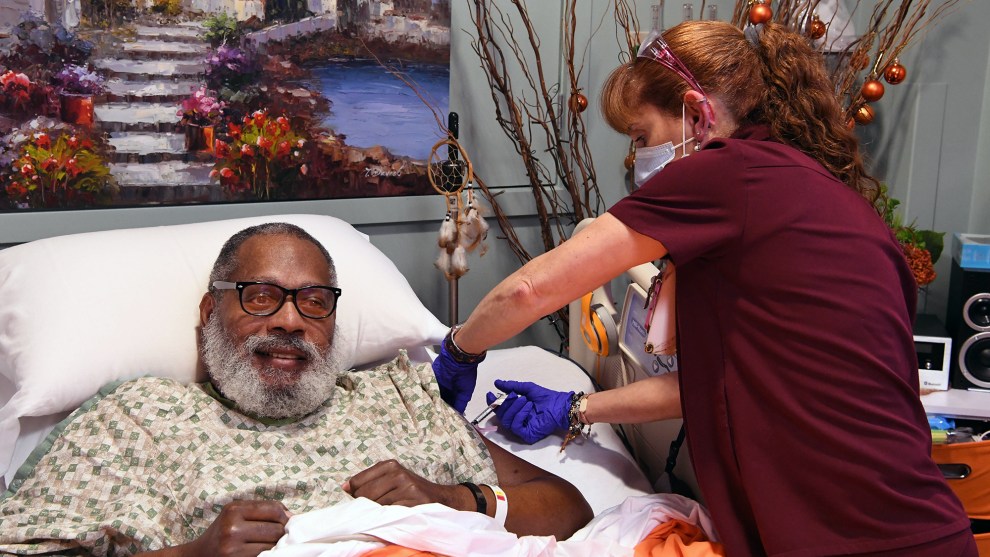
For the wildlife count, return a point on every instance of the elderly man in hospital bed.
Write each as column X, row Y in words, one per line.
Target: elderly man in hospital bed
column 151, row 465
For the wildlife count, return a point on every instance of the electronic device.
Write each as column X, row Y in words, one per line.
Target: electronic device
column 632, row 336
column 968, row 322
column 934, row 349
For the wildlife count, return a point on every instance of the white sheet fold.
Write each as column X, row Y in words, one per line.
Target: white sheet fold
column 355, row 527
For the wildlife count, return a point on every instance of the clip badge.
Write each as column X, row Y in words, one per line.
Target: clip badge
column 661, row 327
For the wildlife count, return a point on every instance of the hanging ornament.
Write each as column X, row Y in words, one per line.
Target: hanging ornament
column 443, row 264
column 872, row 90
column 760, row 12
column 578, row 102
column 816, row 27
column 448, row 231
column 630, row 161
column 458, row 263
column 864, row 115
column 895, row 72
column 472, row 230
column 859, row 61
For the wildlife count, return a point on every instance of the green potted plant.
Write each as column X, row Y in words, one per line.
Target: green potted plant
column 921, row 247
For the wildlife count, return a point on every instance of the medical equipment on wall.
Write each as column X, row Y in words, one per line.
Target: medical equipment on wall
column 463, row 230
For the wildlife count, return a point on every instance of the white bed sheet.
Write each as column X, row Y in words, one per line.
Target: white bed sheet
column 599, row 465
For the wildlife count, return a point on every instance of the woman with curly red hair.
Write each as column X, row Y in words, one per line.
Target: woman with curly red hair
column 798, row 379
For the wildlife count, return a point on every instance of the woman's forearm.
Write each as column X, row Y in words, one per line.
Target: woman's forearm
column 647, row 400
column 555, row 278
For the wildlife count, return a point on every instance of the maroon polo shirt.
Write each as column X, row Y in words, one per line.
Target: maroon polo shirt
column 799, row 380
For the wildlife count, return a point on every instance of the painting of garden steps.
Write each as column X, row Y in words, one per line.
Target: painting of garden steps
column 124, row 103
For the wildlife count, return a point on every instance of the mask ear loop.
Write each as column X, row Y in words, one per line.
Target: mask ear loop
column 684, row 139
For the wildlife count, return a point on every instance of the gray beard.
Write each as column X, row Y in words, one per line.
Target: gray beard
column 236, row 377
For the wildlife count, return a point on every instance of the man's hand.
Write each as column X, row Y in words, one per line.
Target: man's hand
column 390, row 483
column 530, row 411
column 244, row 528
column 456, row 379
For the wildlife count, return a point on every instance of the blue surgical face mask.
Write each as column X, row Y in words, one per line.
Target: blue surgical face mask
column 650, row 160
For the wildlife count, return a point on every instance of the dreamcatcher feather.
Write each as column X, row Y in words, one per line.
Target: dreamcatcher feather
column 463, row 229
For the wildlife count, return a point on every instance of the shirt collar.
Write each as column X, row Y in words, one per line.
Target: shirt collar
column 209, row 389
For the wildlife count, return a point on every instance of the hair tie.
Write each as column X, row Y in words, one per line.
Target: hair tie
column 752, row 33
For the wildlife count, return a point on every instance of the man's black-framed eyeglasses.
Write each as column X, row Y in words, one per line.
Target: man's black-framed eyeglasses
column 264, row 298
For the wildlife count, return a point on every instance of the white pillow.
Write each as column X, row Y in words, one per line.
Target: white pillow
column 83, row 310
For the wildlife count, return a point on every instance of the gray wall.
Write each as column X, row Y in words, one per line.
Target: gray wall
column 928, row 143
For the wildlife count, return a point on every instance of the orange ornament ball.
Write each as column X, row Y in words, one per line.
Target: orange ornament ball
column 895, row 73
column 872, row 90
column 816, row 28
column 578, row 103
column 859, row 61
column 760, row 13
column 864, row 115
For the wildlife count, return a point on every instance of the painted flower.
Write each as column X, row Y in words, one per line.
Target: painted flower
column 79, row 80
column 201, row 108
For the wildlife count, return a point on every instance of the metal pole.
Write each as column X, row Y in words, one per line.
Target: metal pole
column 453, row 301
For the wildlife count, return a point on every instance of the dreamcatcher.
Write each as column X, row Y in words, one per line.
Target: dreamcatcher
column 463, row 230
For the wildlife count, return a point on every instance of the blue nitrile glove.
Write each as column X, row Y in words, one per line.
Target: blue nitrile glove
column 530, row 411
column 456, row 379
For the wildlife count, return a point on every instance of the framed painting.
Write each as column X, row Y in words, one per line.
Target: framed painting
column 134, row 103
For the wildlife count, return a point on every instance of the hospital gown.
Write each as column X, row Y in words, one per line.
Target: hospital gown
column 150, row 463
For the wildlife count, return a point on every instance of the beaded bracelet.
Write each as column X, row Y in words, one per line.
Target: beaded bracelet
column 455, row 351
column 575, row 427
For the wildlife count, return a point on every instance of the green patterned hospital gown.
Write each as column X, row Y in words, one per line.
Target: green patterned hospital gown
column 151, row 462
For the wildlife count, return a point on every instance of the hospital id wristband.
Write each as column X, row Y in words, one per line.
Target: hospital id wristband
column 501, row 504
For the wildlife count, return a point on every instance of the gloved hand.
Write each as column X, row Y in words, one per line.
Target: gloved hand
column 456, row 379
column 530, row 411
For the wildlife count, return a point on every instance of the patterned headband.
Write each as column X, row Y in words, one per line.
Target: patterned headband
column 656, row 49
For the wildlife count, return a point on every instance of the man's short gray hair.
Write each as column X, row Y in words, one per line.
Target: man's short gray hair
column 227, row 260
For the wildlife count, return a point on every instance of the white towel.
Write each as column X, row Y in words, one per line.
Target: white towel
column 355, row 527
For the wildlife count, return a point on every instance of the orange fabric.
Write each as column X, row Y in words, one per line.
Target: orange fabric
column 983, row 544
column 974, row 490
column 676, row 538
column 397, row 551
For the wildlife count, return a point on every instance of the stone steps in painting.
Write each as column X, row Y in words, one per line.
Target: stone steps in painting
column 144, row 147
column 151, row 70
column 195, row 176
column 124, row 91
column 164, row 50
column 186, row 32
column 138, row 116
column 148, row 79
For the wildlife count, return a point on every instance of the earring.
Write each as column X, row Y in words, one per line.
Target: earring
column 697, row 146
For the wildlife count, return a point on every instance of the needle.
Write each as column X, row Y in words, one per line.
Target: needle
column 487, row 411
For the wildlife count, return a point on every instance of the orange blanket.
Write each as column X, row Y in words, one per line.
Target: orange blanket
column 675, row 538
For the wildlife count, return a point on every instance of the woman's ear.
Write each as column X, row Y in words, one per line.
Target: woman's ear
column 697, row 108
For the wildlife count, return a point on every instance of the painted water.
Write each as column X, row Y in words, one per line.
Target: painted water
column 371, row 106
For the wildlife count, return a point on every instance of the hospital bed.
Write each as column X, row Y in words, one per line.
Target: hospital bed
column 83, row 310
